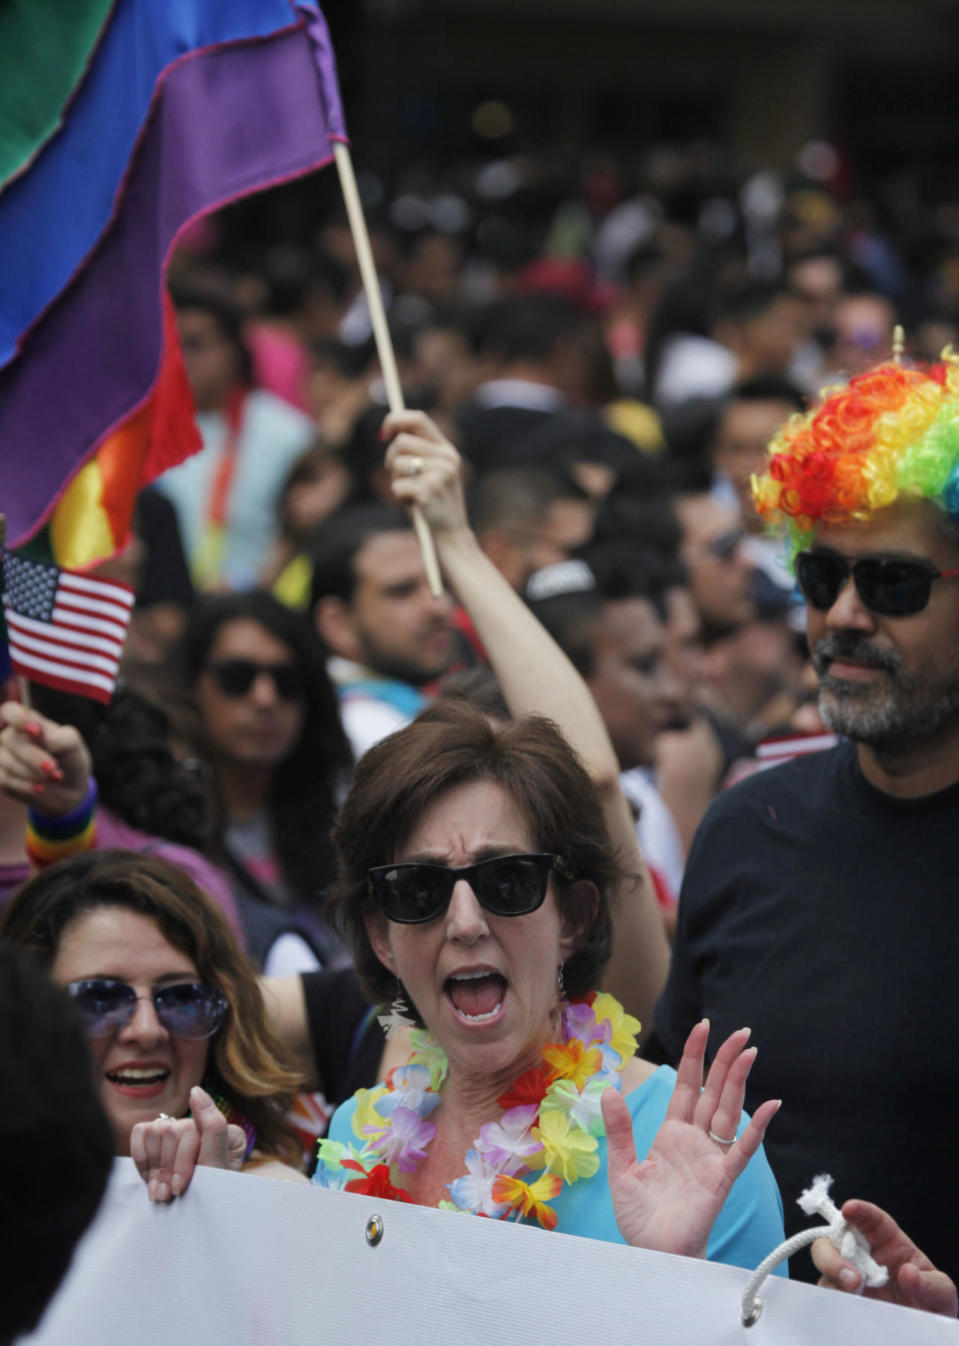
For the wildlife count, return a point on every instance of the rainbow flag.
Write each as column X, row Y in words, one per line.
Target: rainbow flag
column 145, row 114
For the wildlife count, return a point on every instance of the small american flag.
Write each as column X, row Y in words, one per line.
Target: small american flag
column 65, row 630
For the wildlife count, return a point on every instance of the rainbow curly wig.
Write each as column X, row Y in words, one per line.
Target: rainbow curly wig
column 890, row 434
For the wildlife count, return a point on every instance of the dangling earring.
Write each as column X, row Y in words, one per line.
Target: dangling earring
column 398, row 1017
column 560, row 983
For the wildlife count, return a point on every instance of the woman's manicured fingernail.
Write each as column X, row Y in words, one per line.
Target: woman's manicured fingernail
column 176, row 1183
column 32, row 728
column 747, row 1031
column 152, row 1189
column 848, row 1278
column 38, row 787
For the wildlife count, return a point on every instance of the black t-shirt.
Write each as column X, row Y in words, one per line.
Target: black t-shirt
column 347, row 1039
column 824, row 914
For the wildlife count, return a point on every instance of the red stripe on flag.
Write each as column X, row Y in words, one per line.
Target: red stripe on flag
column 111, row 648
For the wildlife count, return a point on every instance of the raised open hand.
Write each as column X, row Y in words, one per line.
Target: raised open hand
column 669, row 1201
column 913, row 1280
column 166, row 1151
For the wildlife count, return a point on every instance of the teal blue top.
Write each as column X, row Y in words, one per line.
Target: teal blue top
column 748, row 1227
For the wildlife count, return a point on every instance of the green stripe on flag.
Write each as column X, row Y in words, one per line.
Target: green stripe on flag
column 45, row 48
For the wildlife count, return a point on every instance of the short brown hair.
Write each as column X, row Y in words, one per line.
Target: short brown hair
column 450, row 744
column 248, row 1065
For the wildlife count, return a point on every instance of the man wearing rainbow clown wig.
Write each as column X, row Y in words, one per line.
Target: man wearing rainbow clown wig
column 820, row 899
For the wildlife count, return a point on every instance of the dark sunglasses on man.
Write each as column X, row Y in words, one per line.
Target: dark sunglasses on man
column 190, row 1010
column 893, row 586
column 725, row 546
column 235, row 677
column 505, row 885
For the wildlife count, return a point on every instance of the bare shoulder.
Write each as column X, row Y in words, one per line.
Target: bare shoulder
column 636, row 1072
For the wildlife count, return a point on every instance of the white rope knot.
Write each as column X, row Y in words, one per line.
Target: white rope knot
column 850, row 1242
column 816, row 1200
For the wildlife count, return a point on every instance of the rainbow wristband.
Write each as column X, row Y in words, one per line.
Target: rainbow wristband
column 51, row 839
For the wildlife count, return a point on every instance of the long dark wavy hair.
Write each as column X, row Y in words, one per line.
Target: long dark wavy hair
column 303, row 793
column 138, row 774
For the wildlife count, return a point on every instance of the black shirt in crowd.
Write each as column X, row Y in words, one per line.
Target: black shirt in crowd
column 824, row 914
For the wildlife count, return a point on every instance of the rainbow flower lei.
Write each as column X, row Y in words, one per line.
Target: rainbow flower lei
column 549, row 1126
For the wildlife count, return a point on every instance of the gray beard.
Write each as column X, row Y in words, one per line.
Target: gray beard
column 894, row 715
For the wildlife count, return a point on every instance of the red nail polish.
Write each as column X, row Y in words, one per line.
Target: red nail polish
column 33, row 729
column 381, row 433
column 49, row 768
column 38, row 787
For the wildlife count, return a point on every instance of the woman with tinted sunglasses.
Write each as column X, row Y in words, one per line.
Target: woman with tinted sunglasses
column 477, row 884
column 187, row 1068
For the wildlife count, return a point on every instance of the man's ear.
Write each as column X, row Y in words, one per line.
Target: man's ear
column 333, row 620
column 579, row 912
column 377, row 931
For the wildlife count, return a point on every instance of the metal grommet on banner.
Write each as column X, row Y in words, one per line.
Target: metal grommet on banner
column 815, row 1201
column 751, row 1316
column 374, row 1230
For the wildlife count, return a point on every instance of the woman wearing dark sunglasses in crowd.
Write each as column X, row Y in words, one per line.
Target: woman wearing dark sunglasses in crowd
column 272, row 735
column 479, row 886
column 187, row 1067
column 476, row 885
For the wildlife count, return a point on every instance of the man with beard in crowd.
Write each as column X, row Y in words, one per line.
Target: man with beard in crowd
column 819, row 898
column 387, row 636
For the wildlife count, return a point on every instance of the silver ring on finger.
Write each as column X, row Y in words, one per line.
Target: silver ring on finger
column 164, row 1117
column 720, row 1140
column 414, row 466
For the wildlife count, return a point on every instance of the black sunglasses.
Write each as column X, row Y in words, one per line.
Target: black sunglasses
column 726, row 545
column 891, row 585
column 235, row 677
column 506, row 885
column 190, row 1010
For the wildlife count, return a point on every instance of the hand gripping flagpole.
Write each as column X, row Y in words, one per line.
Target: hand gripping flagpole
column 336, row 130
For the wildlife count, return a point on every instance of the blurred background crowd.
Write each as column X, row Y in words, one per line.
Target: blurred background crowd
column 618, row 250
column 609, row 294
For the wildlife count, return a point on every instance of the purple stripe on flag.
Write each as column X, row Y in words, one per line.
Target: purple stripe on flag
column 326, row 66
column 82, row 168
column 230, row 121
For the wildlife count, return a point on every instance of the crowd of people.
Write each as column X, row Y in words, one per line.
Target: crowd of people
column 528, row 822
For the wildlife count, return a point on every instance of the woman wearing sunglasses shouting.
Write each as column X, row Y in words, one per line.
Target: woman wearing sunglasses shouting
column 481, row 891
column 477, row 883
column 186, row 1066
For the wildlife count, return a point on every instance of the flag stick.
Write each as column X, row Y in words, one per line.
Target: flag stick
column 381, row 335
column 23, row 686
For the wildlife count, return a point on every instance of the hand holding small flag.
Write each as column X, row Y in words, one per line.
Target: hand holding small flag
column 65, row 629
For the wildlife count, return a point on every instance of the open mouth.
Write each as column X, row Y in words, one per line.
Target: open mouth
column 477, row 996
column 151, row 1077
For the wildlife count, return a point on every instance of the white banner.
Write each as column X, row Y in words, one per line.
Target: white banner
column 246, row 1261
